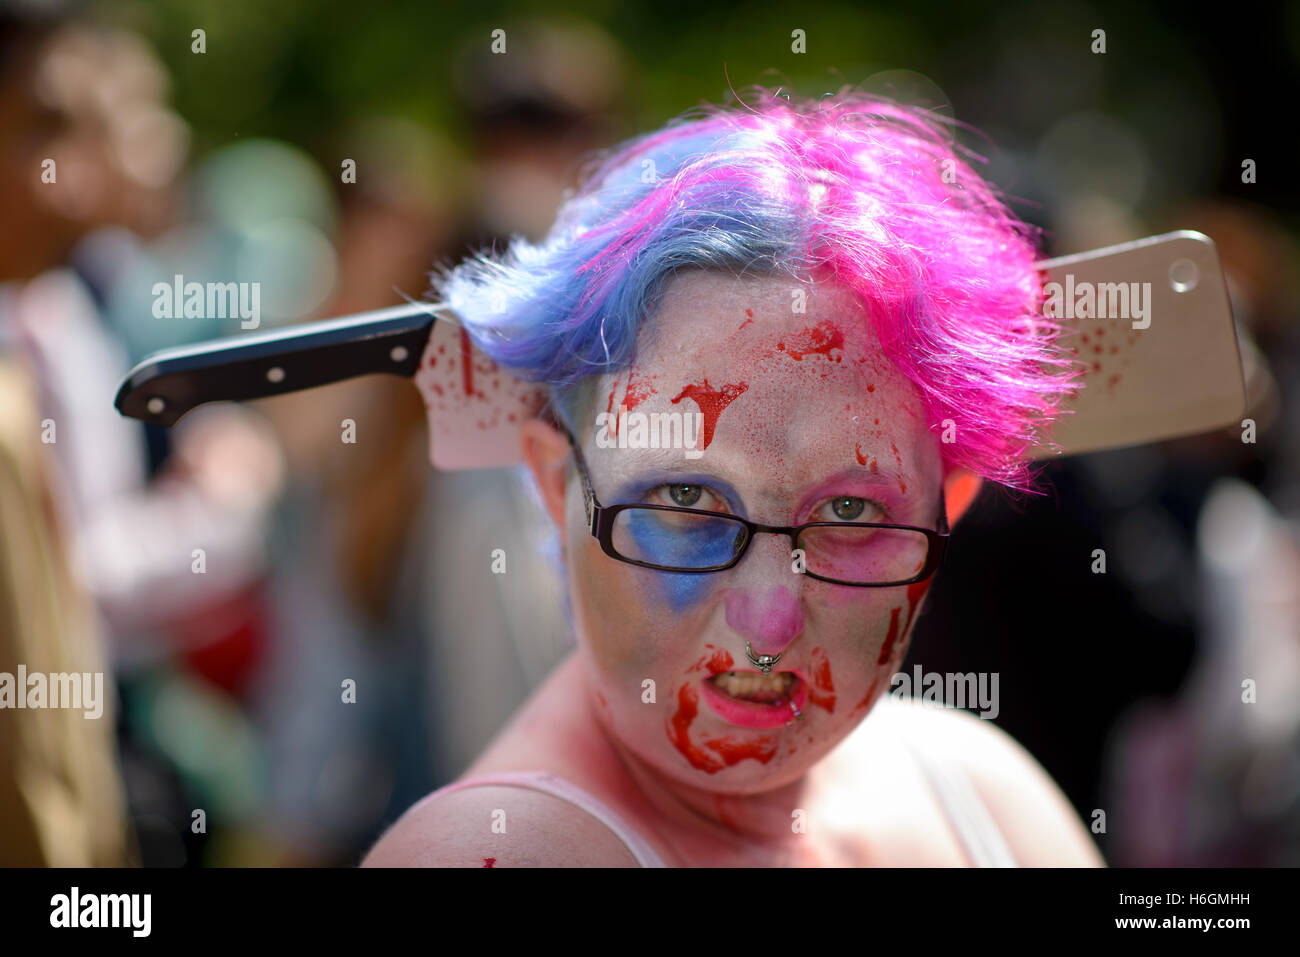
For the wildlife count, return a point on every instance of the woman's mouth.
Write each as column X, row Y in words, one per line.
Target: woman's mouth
column 752, row 700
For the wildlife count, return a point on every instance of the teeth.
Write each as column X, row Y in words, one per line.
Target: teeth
column 746, row 685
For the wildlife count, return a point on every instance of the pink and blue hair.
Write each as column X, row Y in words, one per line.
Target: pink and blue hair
column 853, row 189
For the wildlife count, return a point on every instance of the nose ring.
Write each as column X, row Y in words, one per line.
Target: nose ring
column 762, row 662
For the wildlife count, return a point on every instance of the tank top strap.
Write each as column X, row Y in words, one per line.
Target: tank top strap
column 976, row 830
column 566, row 790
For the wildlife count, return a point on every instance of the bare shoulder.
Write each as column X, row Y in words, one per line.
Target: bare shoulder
column 497, row 826
column 1038, row 823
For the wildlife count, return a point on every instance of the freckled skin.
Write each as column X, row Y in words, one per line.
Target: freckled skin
column 784, row 436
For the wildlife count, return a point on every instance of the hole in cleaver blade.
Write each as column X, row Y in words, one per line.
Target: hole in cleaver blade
column 1150, row 325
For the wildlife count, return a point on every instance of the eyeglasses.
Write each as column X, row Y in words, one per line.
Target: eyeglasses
column 690, row 541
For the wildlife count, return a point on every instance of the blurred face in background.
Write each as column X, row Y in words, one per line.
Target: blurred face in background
column 802, row 420
column 93, row 103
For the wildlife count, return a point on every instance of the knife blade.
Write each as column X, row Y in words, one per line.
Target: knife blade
column 1172, row 371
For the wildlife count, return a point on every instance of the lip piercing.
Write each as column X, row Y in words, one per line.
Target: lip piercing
column 798, row 715
column 762, row 662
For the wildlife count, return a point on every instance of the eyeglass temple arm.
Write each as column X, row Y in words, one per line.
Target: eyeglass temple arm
column 588, row 493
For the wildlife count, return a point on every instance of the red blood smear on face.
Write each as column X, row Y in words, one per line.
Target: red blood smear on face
column 822, row 693
column 637, row 392
column 761, row 750
column 820, row 339
column 915, row 592
column 897, row 457
column 861, row 458
column 887, row 649
column 467, row 362
column 866, row 698
column 874, row 466
column 712, row 402
column 717, row 663
column 750, row 314
column 679, row 728
column 489, row 862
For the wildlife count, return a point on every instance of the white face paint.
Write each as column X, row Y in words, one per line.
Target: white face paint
column 804, row 421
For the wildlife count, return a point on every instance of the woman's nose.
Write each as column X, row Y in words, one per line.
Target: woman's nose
column 769, row 618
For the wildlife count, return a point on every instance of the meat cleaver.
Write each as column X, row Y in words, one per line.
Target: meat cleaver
column 1148, row 322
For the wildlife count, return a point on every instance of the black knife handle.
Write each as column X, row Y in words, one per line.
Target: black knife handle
column 166, row 385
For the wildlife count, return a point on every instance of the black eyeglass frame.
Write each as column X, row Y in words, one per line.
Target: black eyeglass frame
column 600, row 519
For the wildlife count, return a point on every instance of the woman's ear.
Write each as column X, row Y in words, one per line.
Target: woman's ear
column 546, row 450
column 960, row 487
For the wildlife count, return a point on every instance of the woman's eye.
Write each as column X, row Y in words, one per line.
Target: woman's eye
column 688, row 496
column 848, row 508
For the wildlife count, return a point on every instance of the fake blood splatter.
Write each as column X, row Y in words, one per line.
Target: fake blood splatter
column 717, row 663
column 761, row 750
column 822, row 692
column 637, row 392
column 915, row 591
column 729, row 750
column 712, row 402
column 862, row 459
column 489, row 862
column 817, row 340
column 634, row 394
column 887, row 649
column 866, row 698
column 679, row 731
column 467, row 362
column 750, row 314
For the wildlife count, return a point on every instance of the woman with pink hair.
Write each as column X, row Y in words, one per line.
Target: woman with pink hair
column 783, row 343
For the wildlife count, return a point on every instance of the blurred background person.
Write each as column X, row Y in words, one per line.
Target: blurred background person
column 85, row 104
